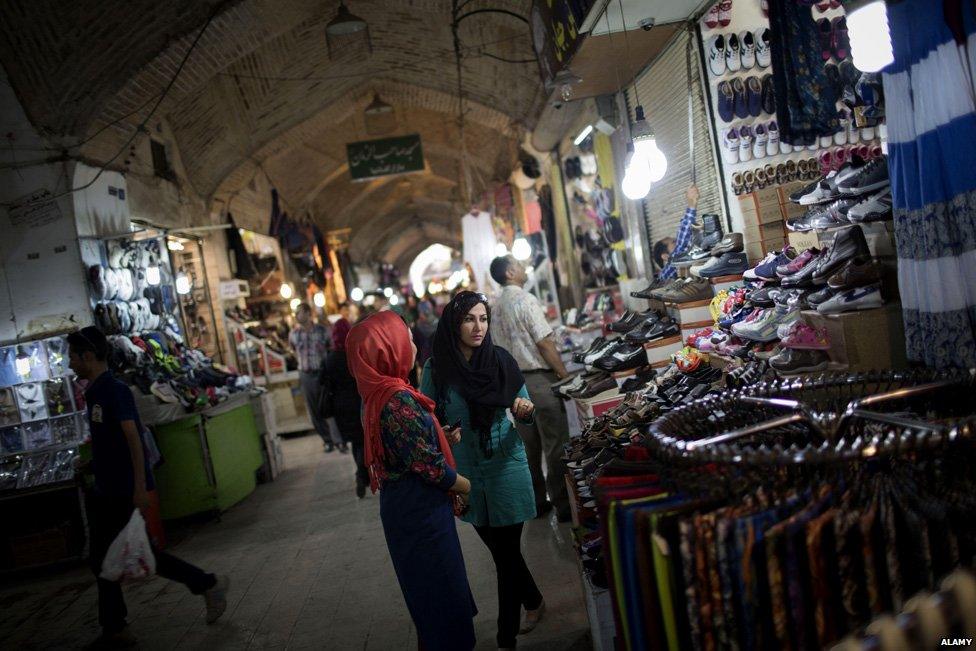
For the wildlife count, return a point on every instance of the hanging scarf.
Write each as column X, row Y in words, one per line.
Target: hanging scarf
column 340, row 331
column 380, row 358
column 490, row 380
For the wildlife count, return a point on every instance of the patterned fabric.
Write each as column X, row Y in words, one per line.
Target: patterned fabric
column 689, row 571
column 518, row 322
column 931, row 114
column 311, row 345
column 805, row 98
column 682, row 242
column 411, row 443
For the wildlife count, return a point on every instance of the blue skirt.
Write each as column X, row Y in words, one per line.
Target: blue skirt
column 418, row 522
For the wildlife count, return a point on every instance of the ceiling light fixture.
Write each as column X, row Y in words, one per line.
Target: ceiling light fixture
column 583, row 135
column 356, row 294
column 867, row 22
column 345, row 29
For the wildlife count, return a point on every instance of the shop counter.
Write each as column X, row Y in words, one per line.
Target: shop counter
column 209, row 459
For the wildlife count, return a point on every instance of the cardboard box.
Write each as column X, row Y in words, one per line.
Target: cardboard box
column 590, row 408
column 802, row 241
column 865, row 340
column 693, row 312
column 661, row 351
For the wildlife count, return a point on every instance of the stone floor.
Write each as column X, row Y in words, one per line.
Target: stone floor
column 309, row 569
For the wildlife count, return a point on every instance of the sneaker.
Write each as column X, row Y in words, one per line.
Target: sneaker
column 805, row 276
column 856, row 273
column 716, row 55
column 747, row 46
column 745, row 144
column 870, row 177
column 848, row 244
column 741, row 101
column 627, row 357
column 792, row 360
column 772, row 144
column 762, row 140
column 726, row 101
column 803, row 337
column 216, row 599
column 764, row 54
column 797, row 263
column 767, row 270
column 725, row 13
column 729, row 264
column 859, row 298
column 817, row 298
column 692, row 290
column 822, row 192
column 762, row 328
column 875, row 207
column 730, row 146
column 733, row 56
column 711, row 18
column 646, row 292
column 732, row 242
column 754, row 96
column 831, row 215
column 750, row 274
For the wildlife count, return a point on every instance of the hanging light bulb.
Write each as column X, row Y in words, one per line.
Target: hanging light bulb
column 521, row 249
column 394, row 300
column 356, row 294
column 637, row 177
column 501, row 250
column 319, row 299
column 295, row 302
column 645, row 145
column 183, row 284
column 286, row 291
column 388, row 292
column 152, row 276
column 867, row 24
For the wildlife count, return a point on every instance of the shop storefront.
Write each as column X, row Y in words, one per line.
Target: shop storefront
column 774, row 306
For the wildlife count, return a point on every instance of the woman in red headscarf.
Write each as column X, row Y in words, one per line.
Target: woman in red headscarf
column 410, row 462
column 339, row 388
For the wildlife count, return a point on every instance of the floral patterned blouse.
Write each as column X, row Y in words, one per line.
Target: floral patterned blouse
column 410, row 441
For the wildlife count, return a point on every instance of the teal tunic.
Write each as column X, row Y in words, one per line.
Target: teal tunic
column 501, row 486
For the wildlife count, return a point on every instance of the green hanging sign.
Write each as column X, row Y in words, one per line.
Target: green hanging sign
column 373, row 158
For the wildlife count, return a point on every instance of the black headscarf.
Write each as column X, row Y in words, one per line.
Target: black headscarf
column 490, row 380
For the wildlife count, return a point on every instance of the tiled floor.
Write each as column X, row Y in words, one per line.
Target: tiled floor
column 309, row 569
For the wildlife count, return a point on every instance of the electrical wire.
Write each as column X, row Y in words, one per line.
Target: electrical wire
column 142, row 125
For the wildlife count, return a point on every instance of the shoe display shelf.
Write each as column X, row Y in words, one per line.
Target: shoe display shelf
column 864, row 340
column 590, row 408
column 659, row 352
column 763, row 213
column 622, row 376
column 691, row 312
column 725, row 282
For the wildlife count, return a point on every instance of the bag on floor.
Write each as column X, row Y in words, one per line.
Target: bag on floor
column 129, row 557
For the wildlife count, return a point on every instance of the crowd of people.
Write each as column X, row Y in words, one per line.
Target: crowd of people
column 446, row 412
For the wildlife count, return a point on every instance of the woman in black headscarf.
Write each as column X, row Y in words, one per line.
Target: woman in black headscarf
column 479, row 391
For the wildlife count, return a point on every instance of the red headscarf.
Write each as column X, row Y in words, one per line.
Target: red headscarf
column 380, row 358
column 339, row 333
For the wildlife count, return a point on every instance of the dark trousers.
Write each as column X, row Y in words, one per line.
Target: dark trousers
column 359, row 456
column 326, row 427
column 107, row 517
column 516, row 587
column 546, row 437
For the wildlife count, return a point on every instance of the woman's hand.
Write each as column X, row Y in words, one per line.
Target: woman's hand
column 523, row 409
column 453, row 435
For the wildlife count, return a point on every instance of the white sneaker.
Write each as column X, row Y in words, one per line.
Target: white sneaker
column 733, row 56
column 764, row 56
column 747, row 46
column 840, row 138
column 868, row 134
column 730, row 146
column 853, row 133
column 826, row 141
column 859, row 298
column 773, row 146
column 785, row 147
column 762, row 140
column 716, row 55
column 745, row 144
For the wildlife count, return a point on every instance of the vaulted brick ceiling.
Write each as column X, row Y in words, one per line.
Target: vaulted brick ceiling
column 260, row 92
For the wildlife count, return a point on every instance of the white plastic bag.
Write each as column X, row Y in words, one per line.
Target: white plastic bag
column 129, row 557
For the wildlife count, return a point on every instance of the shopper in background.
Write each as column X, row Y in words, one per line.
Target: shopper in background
column 410, row 462
column 339, row 388
column 686, row 229
column 423, row 331
column 475, row 384
column 520, row 327
column 310, row 341
column 123, row 480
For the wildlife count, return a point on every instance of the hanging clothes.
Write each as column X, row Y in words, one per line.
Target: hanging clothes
column 806, row 101
column 244, row 265
column 929, row 92
column 479, row 247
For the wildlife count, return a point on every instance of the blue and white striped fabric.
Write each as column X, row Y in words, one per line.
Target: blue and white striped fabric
column 930, row 97
column 682, row 243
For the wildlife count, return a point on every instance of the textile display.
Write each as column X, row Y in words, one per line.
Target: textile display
column 478, row 236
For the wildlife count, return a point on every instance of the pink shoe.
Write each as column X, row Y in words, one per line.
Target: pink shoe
column 725, row 13
column 876, row 151
column 826, row 163
column 840, row 157
column 711, row 18
column 803, row 337
column 864, row 151
column 823, row 6
column 798, row 263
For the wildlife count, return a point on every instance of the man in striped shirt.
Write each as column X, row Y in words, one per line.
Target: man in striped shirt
column 686, row 229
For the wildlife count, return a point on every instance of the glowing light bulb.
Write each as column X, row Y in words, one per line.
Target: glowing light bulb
column 657, row 162
column 521, row 249
column 319, row 299
column 394, row 300
column 295, row 302
column 637, row 178
column 867, row 25
column 501, row 250
column 286, row 291
column 356, row 294
column 152, row 276
column 183, row 284
column 388, row 292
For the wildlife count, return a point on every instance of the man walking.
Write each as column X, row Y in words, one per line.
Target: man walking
column 123, row 480
column 519, row 326
column 310, row 341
